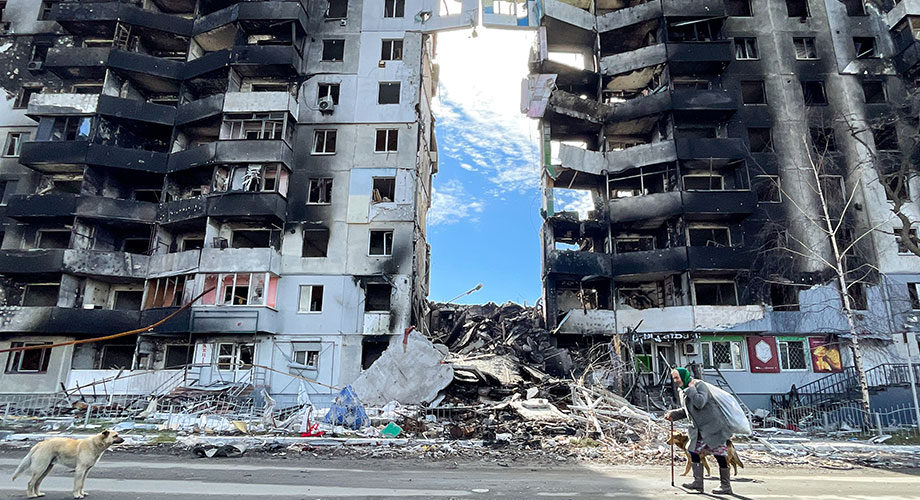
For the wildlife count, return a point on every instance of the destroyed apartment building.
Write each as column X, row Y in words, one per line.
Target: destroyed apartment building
column 712, row 135
column 274, row 158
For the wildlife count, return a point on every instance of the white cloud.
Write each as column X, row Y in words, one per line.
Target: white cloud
column 574, row 200
column 468, row 167
column 450, row 203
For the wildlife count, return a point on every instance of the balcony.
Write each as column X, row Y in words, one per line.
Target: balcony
column 183, row 211
column 696, row 205
column 248, row 60
column 254, row 151
column 656, row 264
column 270, row 12
column 247, row 206
column 70, row 321
column 260, row 102
column 56, row 156
column 907, row 61
column 729, row 148
column 695, row 58
column 902, row 9
column 78, row 63
column 229, row 320
column 94, row 19
column 136, row 110
column 95, row 263
column 627, row 62
column 232, row 260
column 111, row 209
column 692, row 319
column 170, row 264
column 576, row 263
column 35, row 261
column 700, row 104
column 654, row 9
column 200, row 109
column 62, row 104
column 34, row 206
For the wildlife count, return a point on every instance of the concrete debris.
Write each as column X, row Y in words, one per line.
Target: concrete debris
column 208, row 450
column 410, row 371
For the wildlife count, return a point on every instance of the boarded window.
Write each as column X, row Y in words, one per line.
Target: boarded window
column 378, row 297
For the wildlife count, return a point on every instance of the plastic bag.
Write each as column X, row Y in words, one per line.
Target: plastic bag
column 738, row 422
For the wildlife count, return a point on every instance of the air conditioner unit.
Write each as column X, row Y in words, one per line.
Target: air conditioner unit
column 35, row 66
column 691, row 349
column 326, row 105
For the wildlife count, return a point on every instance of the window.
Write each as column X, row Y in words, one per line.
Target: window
column 308, row 358
column 814, row 94
column 855, row 7
column 128, row 300
column 886, row 137
column 333, row 50
column 377, row 298
column 392, row 50
column 255, row 238
column 320, row 191
column 44, row 11
column 315, row 242
column 14, row 142
column 324, row 142
column 39, row 52
column 387, row 141
column 311, row 299
column 381, row 242
column 695, row 31
column 797, row 8
column 714, row 293
column 25, row 93
column 752, row 92
column 254, row 177
column 724, row 355
column 739, row 8
column 823, row 139
column 235, row 356
column 3, row 186
column 768, row 189
column 874, row 91
column 634, row 244
column 902, row 245
column 388, row 93
column 913, row 291
column 338, row 9
column 394, row 8
column 148, row 195
column 792, row 355
column 53, row 238
column 117, row 357
column 784, row 297
column 29, row 360
column 64, row 128
column 703, row 182
column 865, row 47
column 761, row 140
column 384, row 189
column 858, row 298
column 86, row 88
column 328, row 90
column 41, row 295
column 746, row 49
column 172, row 291
column 256, row 126
column 240, row 289
column 178, row 356
column 834, row 190
column 805, row 49
column 709, row 236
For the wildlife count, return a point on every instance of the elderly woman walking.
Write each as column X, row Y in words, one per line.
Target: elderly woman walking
column 709, row 429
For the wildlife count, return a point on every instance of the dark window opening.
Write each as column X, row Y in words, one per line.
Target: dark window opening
column 41, row 295
column 394, row 8
column 855, row 7
column 761, row 140
column 255, row 238
column 381, row 243
column 138, row 246
column 913, row 291
column 784, row 297
column 767, row 188
column 886, row 137
column 128, row 300
column 192, row 244
column 746, row 49
column 384, row 189
column 29, row 360
column 148, row 195
column 338, row 9
column 752, row 92
column 178, row 356
column 377, row 297
column 391, row 50
column 270, row 87
column 25, row 93
column 739, row 8
column 874, row 91
column 797, row 8
column 320, row 191
column 117, row 357
column 865, row 47
column 814, row 93
column 696, row 132
column 700, row 31
column 857, row 293
column 721, row 293
column 636, row 244
column 902, row 245
column 704, row 182
column 39, row 52
column 371, row 350
column 315, row 242
column 44, row 11
column 328, row 90
column 823, row 139
column 388, row 93
column 54, row 239
column 334, row 50
column 14, row 142
column 709, row 236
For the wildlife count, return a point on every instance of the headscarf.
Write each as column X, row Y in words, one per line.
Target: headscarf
column 684, row 377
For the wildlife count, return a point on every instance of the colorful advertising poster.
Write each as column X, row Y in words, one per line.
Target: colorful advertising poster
column 763, row 354
column 825, row 358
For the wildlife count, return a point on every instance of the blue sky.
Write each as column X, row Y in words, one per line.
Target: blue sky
column 484, row 223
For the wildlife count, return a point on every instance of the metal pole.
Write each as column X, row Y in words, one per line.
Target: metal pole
column 672, row 452
column 913, row 385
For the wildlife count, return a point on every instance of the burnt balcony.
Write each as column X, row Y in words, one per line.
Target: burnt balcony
column 97, row 18
column 248, row 60
column 177, row 324
column 642, row 155
column 233, row 260
column 35, row 261
column 654, row 264
column 627, row 62
column 153, row 72
column 111, row 209
column 696, row 205
column 181, row 212
column 200, row 109
column 251, row 151
column 70, row 321
column 719, row 258
column 695, row 58
column 577, row 263
column 273, row 12
column 243, row 206
column 62, row 156
column 35, row 206
column 655, row 9
column 120, row 266
column 727, row 148
column 234, row 319
column 700, row 104
column 78, row 63
column 137, row 110
column 907, row 61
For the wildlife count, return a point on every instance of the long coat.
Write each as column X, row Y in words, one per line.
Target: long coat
column 706, row 418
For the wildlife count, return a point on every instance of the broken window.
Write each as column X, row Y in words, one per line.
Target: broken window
column 308, row 358
column 760, row 140
column 311, row 298
column 39, row 53
column 641, row 295
column 739, row 8
column 44, row 11
column 797, row 8
column 784, row 297
column 394, row 8
column 704, row 182
column 117, row 357
column 746, row 49
column 702, row 30
column 902, row 245
column 148, row 195
column 3, row 187
column 752, row 92
column 255, row 238
column 768, row 189
column 53, row 238
column 320, row 191
column 328, row 90
column 324, row 142
column 337, row 9
column 127, row 300
column 64, row 128
column 690, row 83
column 25, row 93
column 855, row 7
column 792, row 355
column 178, row 356
column 709, row 236
column 171, row 291
column 913, row 291
column 865, row 47
column 387, row 141
column 834, row 190
column 886, row 137
column 255, row 126
column 874, row 91
column 823, row 139
column 13, row 144
column 647, row 180
column 714, row 293
column 857, row 294
column 138, row 246
column 724, row 355
column 388, row 93
column 814, row 93
column 633, row 244
column 192, row 244
column 384, row 189
column 805, row 48
column 381, row 242
column 29, row 360
column 372, row 348
column 333, row 50
column 391, row 50
column 235, row 356
column 315, row 243
column 377, row 297
column 41, row 294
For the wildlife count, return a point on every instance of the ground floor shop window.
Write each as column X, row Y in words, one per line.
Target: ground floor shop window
column 724, row 355
column 235, row 356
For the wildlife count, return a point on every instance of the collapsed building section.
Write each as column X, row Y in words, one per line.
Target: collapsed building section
column 709, row 137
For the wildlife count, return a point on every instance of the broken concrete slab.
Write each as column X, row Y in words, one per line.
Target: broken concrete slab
column 410, row 371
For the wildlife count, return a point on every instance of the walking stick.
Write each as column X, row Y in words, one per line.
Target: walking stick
column 672, row 453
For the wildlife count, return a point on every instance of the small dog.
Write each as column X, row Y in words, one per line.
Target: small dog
column 80, row 454
column 681, row 440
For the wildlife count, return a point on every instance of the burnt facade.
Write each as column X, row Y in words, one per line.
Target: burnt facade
column 710, row 136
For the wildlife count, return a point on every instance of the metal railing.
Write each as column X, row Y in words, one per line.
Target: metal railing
column 848, row 418
column 844, row 385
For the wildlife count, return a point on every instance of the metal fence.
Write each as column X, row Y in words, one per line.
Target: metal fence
column 849, row 418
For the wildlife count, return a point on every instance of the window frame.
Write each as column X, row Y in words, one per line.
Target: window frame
column 25, row 95
column 14, row 137
column 387, row 140
column 390, row 84
column 307, row 354
column 309, row 299
column 395, row 52
column 774, row 180
column 808, row 42
column 324, row 186
column 387, row 245
column 784, row 355
column 763, row 92
column 913, row 294
column 823, row 87
column 235, row 362
column 331, row 90
column 707, row 345
column 16, row 358
column 326, row 133
column 746, row 44
column 696, row 282
column 331, row 43
column 393, row 9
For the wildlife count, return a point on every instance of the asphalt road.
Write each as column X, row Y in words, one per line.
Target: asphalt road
column 121, row 476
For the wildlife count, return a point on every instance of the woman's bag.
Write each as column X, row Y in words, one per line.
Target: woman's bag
column 738, row 422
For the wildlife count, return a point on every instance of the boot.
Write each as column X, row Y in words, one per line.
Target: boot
column 725, row 482
column 697, row 483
